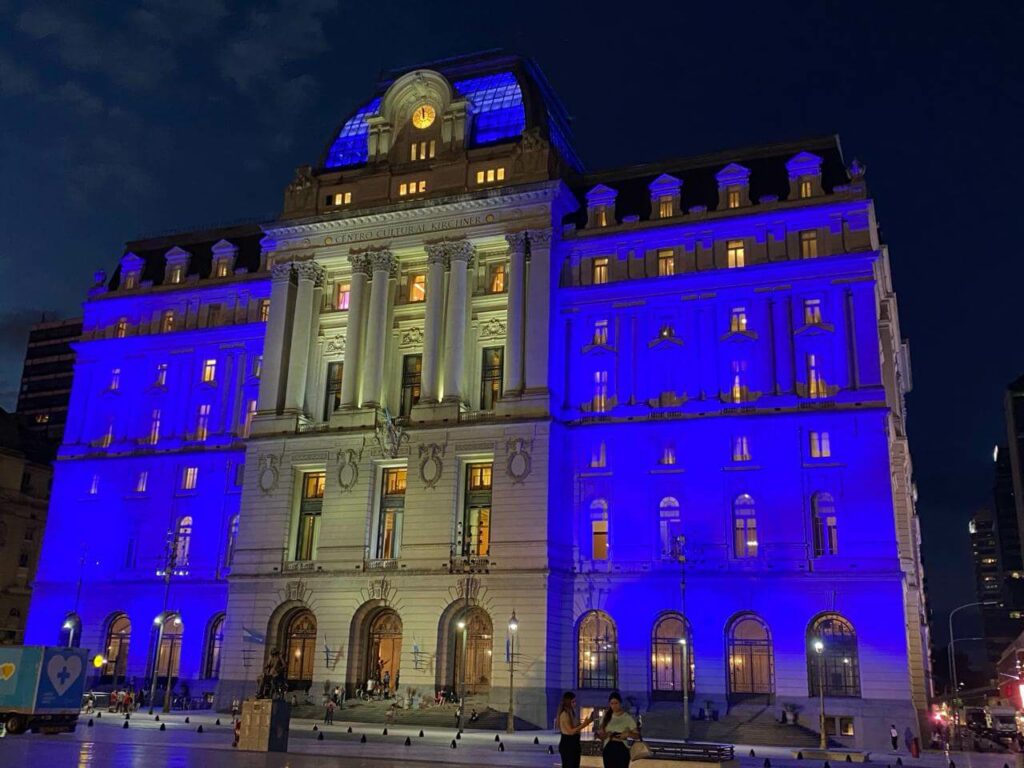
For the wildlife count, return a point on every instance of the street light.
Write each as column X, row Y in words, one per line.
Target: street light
column 462, row 672
column 819, row 648
column 170, row 663
column 952, row 661
column 513, row 626
column 686, row 690
column 170, row 558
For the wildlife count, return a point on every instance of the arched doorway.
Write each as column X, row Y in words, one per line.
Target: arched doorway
column 471, row 649
column 299, row 649
column 667, row 658
column 119, row 632
column 168, row 657
column 751, row 667
column 383, row 649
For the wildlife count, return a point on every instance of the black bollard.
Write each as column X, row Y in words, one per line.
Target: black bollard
column 200, row 728
column 163, row 726
column 320, row 736
column 349, row 729
column 421, row 734
column 385, row 732
column 454, row 745
column 362, row 739
column 826, row 765
column 408, row 741
column 218, row 721
column 752, row 753
column 458, row 735
column 99, row 714
column 127, row 716
column 125, row 723
column 316, row 727
column 952, row 764
column 90, row 722
column 186, row 721
column 156, row 718
column 498, row 738
column 767, row 763
column 501, row 747
column 899, row 761
column 799, row 755
column 849, row 759
column 536, row 740
column 551, row 750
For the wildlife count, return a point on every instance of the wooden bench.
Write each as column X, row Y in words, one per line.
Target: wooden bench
column 669, row 754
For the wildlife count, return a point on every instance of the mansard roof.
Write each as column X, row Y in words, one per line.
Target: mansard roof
column 506, row 94
column 767, row 164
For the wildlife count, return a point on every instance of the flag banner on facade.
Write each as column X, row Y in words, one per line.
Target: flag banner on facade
column 251, row 636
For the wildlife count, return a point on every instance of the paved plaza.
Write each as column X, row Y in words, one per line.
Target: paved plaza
column 109, row 745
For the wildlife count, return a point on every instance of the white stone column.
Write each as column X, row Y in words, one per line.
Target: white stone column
column 314, row 374
column 437, row 260
column 309, row 273
column 274, row 367
column 384, row 268
column 538, row 310
column 350, row 376
column 460, row 257
column 514, row 322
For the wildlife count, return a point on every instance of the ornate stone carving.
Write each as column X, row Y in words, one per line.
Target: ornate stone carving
column 460, row 250
column 280, row 272
column 309, row 270
column 336, row 344
column 360, row 263
column 540, row 238
column 431, row 463
column 380, row 589
column 348, row 468
column 516, row 241
column 437, row 253
column 411, row 337
column 389, row 435
column 518, row 463
column 299, row 194
column 382, row 261
column 532, row 152
column 269, row 473
column 492, row 329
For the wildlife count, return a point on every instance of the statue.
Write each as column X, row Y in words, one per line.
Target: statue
column 271, row 684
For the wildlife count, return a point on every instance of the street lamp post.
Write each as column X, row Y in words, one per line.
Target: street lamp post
column 819, row 648
column 952, row 662
column 513, row 626
column 170, row 664
column 462, row 673
column 686, row 688
column 162, row 618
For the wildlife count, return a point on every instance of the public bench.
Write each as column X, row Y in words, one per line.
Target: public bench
column 668, row 754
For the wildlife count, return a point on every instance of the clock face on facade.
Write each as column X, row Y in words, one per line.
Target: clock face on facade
column 423, row 116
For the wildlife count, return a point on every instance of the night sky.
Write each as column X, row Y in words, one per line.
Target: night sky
column 167, row 114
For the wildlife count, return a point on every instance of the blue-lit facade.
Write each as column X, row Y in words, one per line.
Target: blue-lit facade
column 458, row 379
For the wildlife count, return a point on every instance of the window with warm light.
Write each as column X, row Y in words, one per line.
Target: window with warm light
column 203, row 422
column 597, row 651
column 422, row 150
column 812, row 311
column 167, row 321
column 496, row 277
column 131, row 279
column 492, row 371
column 417, row 288
column 249, row 415
column 141, row 481
column 342, row 294
column 189, row 478
column 739, row 391
column 121, row 329
column 392, row 513
column 108, row 435
column 666, row 263
column 808, row 244
column 264, row 310
column 601, row 215
column 476, row 517
column 732, row 197
column 412, row 187
column 668, row 455
column 735, row 254
column 154, row 427
column 741, row 448
column 599, row 530
column 221, row 269
column 339, row 198
column 821, row 446
column 175, row 274
column 738, row 320
column 600, row 332
column 665, row 207
column 598, row 455
column 599, row 270
column 806, row 190
column 209, row 374
column 744, row 516
column 600, row 400
column 816, row 386
column 310, row 508
column 490, row 175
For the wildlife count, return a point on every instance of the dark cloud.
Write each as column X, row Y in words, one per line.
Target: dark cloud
column 16, row 79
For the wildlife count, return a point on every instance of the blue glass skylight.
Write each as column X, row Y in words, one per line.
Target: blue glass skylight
column 350, row 148
column 496, row 107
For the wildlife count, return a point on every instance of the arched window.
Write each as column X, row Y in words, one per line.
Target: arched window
column 182, row 541
column 229, row 552
column 599, row 530
column 823, row 519
column 744, row 523
column 119, row 632
column 670, row 656
column 598, row 651
column 214, row 643
column 474, row 644
column 751, row 666
column 300, row 650
column 832, row 660
column 670, row 529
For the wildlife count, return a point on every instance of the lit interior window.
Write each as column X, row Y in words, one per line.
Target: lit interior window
column 601, row 332
column 341, row 296
column 417, row 288
column 264, row 310
column 740, row 448
column 805, row 188
column 821, row 446
column 666, row 263
column 189, row 478
column 598, row 455
column 209, row 370
column 733, row 197
column 600, row 270
column 665, row 207
column 412, row 187
column 812, row 311
column 808, row 244
column 496, row 282
column 735, row 253
column 738, row 319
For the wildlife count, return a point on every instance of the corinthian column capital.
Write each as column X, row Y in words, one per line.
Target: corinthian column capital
column 281, row 272
column 540, row 238
column 383, row 261
column 460, row 250
column 516, row 242
column 437, row 253
column 310, row 270
column 360, row 263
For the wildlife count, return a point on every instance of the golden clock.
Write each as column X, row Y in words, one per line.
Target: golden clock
column 423, row 116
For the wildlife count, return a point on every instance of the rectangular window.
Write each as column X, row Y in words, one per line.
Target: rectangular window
column 476, row 517
column 599, row 536
column 805, row 188
column 130, row 280
column 209, row 374
column 665, row 207
column 161, row 374
column 412, row 373
column 189, row 478
column 341, row 296
column 599, row 271
column 490, row 175
column 732, row 197
column 154, row 427
column 491, row 373
column 670, row 530
column 666, row 263
column 310, row 506
column 738, row 320
column 745, row 534
column 600, row 391
column 340, row 198
column 821, row 445
column 808, row 244
column 816, row 386
column 740, row 448
column 412, row 187
column 739, row 390
column 812, row 311
column 257, row 366
column 496, row 278
column 668, row 455
column 221, row 269
column 115, row 379
column 422, row 150
column 175, row 275
column 332, row 397
column 264, row 310
column 203, row 422
column 141, row 482
column 601, row 332
column 108, row 436
column 392, row 510
column 94, row 485
column 213, row 315
column 121, row 329
column 601, row 215
column 735, row 253
column 417, row 288
column 599, row 455
column 247, row 417
column 167, row 321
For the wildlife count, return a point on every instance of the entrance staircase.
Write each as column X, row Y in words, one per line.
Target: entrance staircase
column 744, row 724
column 433, row 716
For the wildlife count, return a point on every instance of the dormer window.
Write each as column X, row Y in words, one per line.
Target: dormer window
column 804, row 176
column 806, row 190
column 422, row 150
column 224, row 254
column 733, row 197
column 601, row 216
column 412, row 187
column 174, row 274
column 665, row 207
column 733, row 186
column 601, row 206
column 665, row 196
column 130, row 281
column 131, row 271
column 221, row 270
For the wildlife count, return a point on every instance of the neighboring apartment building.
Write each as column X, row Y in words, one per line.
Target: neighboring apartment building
column 25, row 476
column 466, row 381
column 46, row 376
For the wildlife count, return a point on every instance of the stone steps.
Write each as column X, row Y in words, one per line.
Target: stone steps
column 748, row 725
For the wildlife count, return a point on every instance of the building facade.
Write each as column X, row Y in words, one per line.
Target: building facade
column 47, row 375
column 469, row 381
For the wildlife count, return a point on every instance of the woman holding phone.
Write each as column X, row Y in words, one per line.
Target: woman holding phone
column 617, row 725
column 569, row 726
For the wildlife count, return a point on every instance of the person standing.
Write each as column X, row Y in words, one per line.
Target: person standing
column 894, row 737
column 617, row 725
column 569, row 726
column 329, row 712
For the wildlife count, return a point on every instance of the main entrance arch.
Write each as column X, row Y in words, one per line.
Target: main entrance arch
column 375, row 641
column 468, row 635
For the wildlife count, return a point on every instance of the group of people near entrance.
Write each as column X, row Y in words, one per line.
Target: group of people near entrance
column 614, row 727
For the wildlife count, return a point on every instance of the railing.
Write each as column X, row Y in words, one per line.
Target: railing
column 676, row 751
column 380, row 564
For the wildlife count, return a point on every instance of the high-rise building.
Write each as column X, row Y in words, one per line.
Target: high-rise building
column 654, row 413
column 47, row 375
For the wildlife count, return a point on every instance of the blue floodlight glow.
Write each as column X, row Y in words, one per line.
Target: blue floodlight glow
column 350, row 148
column 495, row 105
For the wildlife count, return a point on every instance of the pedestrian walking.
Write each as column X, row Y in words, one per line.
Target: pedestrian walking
column 894, row 737
column 617, row 725
column 234, row 708
column 329, row 713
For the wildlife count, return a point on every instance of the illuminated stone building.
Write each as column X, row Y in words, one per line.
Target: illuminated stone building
column 467, row 379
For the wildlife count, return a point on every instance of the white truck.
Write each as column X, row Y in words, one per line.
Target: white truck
column 1001, row 720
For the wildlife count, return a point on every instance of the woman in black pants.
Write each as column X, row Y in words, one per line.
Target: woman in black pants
column 569, row 726
column 617, row 725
